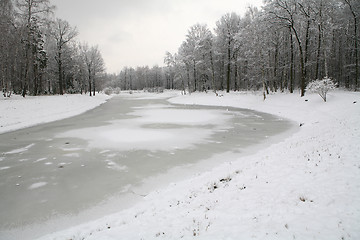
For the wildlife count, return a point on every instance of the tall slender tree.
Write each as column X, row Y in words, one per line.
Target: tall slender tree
column 226, row 29
column 94, row 64
column 63, row 33
column 354, row 7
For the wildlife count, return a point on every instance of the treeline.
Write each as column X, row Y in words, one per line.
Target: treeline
column 142, row 78
column 39, row 53
column 281, row 47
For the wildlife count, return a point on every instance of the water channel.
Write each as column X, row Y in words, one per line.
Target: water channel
column 87, row 166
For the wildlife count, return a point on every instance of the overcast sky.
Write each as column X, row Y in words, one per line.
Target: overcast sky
column 139, row 32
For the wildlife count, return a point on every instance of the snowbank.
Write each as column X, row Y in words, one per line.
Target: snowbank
column 305, row 187
column 18, row 112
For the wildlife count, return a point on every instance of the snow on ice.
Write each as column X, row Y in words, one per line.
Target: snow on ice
column 128, row 135
column 37, row 185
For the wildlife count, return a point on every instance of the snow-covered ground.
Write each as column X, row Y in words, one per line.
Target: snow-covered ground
column 305, row 187
column 17, row 112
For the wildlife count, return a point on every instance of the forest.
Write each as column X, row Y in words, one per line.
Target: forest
column 39, row 53
column 281, row 47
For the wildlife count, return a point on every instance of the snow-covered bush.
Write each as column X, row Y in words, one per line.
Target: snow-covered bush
column 108, row 91
column 116, row 90
column 321, row 87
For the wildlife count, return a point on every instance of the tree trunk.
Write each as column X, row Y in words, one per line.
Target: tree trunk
column 356, row 53
column 188, row 78
column 275, row 85
column 291, row 63
column 306, row 54
column 263, row 83
column 302, row 65
column 61, row 90
column 317, row 74
column 236, row 75
column 195, row 80
column 355, row 45
column 36, row 79
column 90, row 89
column 228, row 67
column 222, row 72
column 212, row 72
column 125, row 83
column 27, row 68
column 326, row 64
column 130, row 82
column 94, row 88
column 27, row 52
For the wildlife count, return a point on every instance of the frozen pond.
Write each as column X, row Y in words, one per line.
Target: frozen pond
column 62, row 173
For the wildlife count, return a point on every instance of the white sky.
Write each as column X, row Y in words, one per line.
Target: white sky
column 139, row 32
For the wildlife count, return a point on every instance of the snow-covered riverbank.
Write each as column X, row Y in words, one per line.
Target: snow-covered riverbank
column 17, row 112
column 304, row 187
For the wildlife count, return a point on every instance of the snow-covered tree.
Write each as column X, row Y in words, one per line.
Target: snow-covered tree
column 63, row 33
column 321, row 87
column 33, row 15
column 94, row 64
column 226, row 29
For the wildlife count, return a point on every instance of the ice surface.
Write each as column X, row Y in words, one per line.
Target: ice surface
column 181, row 116
column 37, row 185
column 20, row 150
column 72, row 155
column 115, row 166
column 173, row 130
column 40, row 160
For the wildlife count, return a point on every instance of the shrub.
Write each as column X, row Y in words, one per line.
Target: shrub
column 321, row 87
column 108, row 91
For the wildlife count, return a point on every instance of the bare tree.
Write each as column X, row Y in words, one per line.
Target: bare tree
column 170, row 74
column 287, row 13
column 226, row 29
column 63, row 33
column 94, row 64
column 198, row 49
